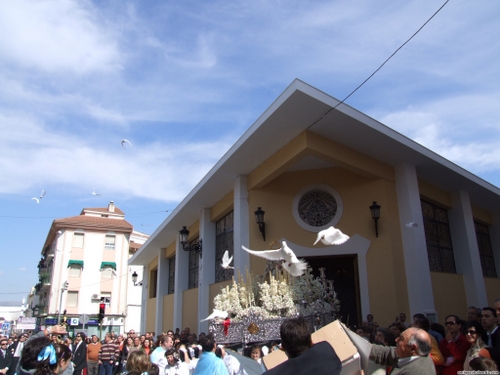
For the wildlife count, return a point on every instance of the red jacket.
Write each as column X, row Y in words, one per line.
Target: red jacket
column 456, row 349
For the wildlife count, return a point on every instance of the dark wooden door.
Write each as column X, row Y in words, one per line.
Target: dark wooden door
column 343, row 270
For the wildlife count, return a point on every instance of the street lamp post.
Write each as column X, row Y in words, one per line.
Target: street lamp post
column 63, row 288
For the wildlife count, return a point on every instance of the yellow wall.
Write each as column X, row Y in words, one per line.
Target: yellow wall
column 434, row 195
column 384, row 258
column 170, row 250
column 222, row 208
column 168, row 313
column 449, row 295
column 482, row 215
column 492, row 289
column 150, row 315
column 153, row 265
column 190, row 309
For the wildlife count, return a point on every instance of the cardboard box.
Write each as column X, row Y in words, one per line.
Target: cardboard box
column 335, row 334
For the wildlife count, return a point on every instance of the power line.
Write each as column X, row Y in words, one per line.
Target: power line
column 15, row 293
column 380, row 67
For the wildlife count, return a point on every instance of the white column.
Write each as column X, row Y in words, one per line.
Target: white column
column 135, row 294
column 144, row 298
column 241, row 224
column 465, row 248
column 418, row 275
column 161, row 289
column 206, row 275
column 181, row 281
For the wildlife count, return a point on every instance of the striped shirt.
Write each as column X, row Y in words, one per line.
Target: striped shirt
column 109, row 352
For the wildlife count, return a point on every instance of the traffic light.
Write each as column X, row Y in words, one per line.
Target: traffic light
column 102, row 310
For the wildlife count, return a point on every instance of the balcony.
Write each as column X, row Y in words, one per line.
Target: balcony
column 44, row 278
column 49, row 251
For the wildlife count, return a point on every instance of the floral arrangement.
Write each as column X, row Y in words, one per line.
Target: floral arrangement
column 278, row 295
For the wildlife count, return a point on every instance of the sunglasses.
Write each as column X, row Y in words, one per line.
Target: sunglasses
column 471, row 332
column 450, row 323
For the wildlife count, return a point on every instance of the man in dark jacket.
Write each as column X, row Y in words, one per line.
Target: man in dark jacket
column 79, row 354
column 17, row 349
column 304, row 358
column 5, row 357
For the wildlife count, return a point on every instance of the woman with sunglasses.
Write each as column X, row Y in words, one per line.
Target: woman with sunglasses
column 473, row 332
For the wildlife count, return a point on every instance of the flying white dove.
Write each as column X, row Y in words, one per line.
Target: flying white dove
column 94, row 193
column 411, row 224
column 331, row 236
column 125, row 141
column 42, row 194
column 226, row 261
column 216, row 314
column 294, row 266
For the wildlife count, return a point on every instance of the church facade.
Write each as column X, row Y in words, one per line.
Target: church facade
column 309, row 163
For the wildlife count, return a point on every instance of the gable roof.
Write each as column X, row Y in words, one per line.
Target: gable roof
column 92, row 222
column 117, row 211
column 301, row 108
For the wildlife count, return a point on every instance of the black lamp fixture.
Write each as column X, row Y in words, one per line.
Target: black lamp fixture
column 134, row 279
column 259, row 217
column 183, row 236
column 36, row 310
column 375, row 210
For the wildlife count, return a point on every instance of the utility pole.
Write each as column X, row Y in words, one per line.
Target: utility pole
column 63, row 288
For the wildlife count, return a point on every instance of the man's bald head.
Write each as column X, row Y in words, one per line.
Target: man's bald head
column 423, row 341
column 413, row 342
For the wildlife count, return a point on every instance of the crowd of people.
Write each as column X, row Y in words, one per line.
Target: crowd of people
column 471, row 344
column 404, row 347
column 54, row 353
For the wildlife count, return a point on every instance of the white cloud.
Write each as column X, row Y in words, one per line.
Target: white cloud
column 149, row 170
column 454, row 127
column 56, row 36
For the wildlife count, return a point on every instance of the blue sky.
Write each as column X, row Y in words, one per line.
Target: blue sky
column 183, row 80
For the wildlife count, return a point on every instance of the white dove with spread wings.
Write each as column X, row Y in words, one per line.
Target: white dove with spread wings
column 124, row 140
column 216, row 314
column 292, row 264
column 226, row 260
column 42, row 194
column 331, row 236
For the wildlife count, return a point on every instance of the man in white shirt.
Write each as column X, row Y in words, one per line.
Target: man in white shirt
column 159, row 353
